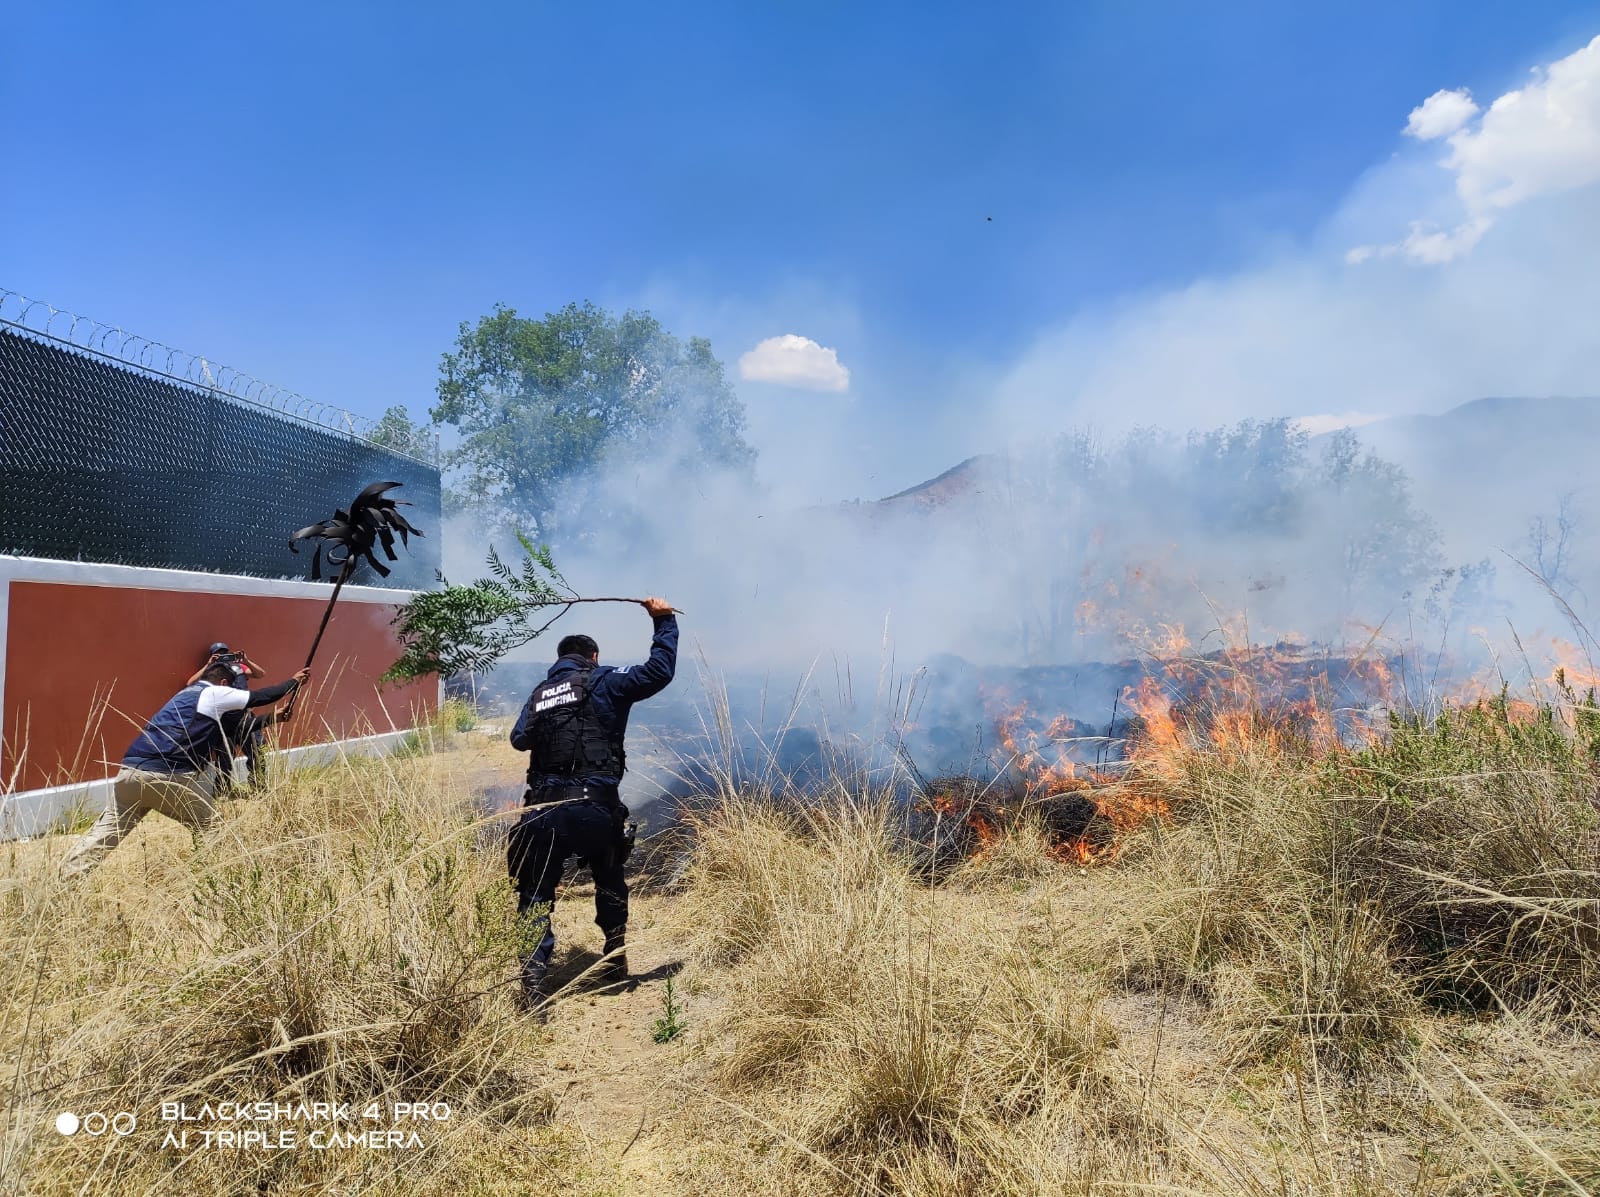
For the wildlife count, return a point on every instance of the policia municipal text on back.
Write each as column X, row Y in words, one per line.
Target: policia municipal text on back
column 573, row 727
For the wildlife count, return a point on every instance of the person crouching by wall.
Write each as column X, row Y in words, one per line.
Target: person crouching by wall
column 168, row 767
column 243, row 731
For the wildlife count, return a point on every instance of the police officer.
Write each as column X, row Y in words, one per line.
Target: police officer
column 572, row 727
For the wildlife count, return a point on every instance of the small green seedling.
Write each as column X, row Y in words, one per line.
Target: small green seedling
column 670, row 1025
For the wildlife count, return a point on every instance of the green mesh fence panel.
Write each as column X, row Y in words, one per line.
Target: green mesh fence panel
column 102, row 462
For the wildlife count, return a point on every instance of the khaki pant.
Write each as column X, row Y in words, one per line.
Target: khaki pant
column 186, row 797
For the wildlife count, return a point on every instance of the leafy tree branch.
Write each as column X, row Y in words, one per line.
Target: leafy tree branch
column 468, row 629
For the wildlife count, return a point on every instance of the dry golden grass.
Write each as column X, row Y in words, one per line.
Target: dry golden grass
column 337, row 940
column 1284, row 988
column 1234, row 1004
column 880, row 1036
column 1019, row 855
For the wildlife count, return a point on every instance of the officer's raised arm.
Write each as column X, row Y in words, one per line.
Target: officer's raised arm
column 641, row 681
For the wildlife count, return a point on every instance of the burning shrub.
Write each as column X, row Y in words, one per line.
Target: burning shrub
column 998, row 830
column 1016, row 856
column 944, row 822
column 1092, row 787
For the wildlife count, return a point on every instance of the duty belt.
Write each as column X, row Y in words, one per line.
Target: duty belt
column 561, row 795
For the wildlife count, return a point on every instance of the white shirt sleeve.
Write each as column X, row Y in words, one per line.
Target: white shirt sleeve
column 215, row 701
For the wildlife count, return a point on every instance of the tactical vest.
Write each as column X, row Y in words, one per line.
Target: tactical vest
column 178, row 738
column 569, row 739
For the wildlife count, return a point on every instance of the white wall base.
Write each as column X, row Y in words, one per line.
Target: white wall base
column 30, row 813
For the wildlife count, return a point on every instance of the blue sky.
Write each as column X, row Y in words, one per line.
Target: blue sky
column 319, row 194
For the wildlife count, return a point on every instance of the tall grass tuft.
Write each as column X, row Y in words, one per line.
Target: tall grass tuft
column 925, row 1045
column 1323, row 900
column 1477, row 834
column 338, row 940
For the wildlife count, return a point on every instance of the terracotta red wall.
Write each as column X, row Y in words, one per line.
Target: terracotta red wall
column 87, row 664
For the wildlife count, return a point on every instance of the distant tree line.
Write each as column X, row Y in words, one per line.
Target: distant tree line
column 544, row 416
column 1256, row 520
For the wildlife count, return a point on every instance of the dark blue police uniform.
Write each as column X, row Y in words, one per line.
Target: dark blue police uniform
column 573, row 726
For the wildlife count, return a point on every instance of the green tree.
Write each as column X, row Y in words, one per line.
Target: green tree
column 1387, row 546
column 540, row 403
column 398, row 431
column 1250, row 477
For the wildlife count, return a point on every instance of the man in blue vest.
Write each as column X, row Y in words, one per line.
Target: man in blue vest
column 572, row 728
column 168, row 767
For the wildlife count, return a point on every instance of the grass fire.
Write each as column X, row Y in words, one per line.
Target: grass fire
column 986, row 602
column 1176, row 951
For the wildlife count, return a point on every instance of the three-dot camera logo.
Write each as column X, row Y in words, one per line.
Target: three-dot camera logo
column 96, row 1123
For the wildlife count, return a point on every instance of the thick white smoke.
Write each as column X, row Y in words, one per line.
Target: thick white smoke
column 1461, row 267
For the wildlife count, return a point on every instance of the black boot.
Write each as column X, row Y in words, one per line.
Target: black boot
column 614, row 968
column 531, row 995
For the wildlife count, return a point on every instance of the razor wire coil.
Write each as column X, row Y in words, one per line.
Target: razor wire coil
column 36, row 318
column 111, row 451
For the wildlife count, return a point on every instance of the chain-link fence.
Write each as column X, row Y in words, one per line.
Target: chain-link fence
column 107, row 458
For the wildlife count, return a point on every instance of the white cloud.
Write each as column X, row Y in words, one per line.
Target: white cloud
column 1540, row 140
column 1433, row 246
column 1329, row 422
column 1441, row 114
column 1426, row 243
column 794, row 361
